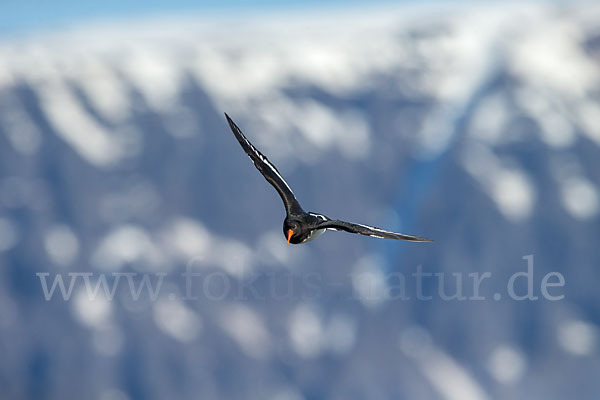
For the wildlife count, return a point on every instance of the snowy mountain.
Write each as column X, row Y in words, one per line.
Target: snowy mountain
column 477, row 126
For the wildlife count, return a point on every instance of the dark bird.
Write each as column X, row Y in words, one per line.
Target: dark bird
column 300, row 226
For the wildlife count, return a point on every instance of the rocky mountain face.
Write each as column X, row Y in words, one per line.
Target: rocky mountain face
column 478, row 127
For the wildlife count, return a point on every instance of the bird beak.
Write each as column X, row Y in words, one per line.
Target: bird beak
column 290, row 233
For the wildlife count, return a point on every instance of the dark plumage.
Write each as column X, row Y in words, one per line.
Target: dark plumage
column 300, row 226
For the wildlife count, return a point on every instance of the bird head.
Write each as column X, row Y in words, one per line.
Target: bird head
column 291, row 230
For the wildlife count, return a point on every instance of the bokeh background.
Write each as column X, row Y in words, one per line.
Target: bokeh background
column 475, row 124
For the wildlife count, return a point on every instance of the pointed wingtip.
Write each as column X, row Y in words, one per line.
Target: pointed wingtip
column 232, row 124
column 421, row 239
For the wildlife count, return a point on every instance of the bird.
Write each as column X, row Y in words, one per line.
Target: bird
column 300, row 226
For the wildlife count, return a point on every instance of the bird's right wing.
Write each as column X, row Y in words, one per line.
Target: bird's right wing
column 268, row 170
column 368, row 231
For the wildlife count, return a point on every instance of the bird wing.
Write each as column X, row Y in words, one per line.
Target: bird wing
column 368, row 230
column 268, row 170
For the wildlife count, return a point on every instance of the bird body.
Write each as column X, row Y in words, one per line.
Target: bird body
column 304, row 227
column 300, row 226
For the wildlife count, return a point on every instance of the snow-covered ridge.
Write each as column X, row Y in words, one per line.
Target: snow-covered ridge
column 445, row 60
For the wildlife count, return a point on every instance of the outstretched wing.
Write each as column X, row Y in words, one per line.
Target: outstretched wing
column 369, row 231
column 268, row 170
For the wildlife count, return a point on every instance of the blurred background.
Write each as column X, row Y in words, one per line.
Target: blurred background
column 477, row 125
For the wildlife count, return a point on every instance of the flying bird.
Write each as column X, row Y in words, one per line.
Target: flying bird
column 300, row 226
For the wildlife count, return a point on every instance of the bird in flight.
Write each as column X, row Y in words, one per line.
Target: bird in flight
column 300, row 226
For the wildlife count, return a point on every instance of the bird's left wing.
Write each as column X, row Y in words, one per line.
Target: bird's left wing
column 268, row 170
column 368, row 231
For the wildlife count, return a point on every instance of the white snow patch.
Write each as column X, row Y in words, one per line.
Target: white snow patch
column 513, row 193
column 450, row 379
column 490, row 119
column 152, row 71
column 127, row 244
column 549, row 54
column 510, row 188
column 190, row 241
column 22, row 133
column 92, row 141
column 579, row 338
column 94, row 312
column 246, row 327
column 177, row 320
column 61, row 244
column 507, row 364
column 9, row 235
column 368, row 282
column 556, row 129
column 580, row 197
column 589, row 115
column 305, row 331
column 105, row 91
